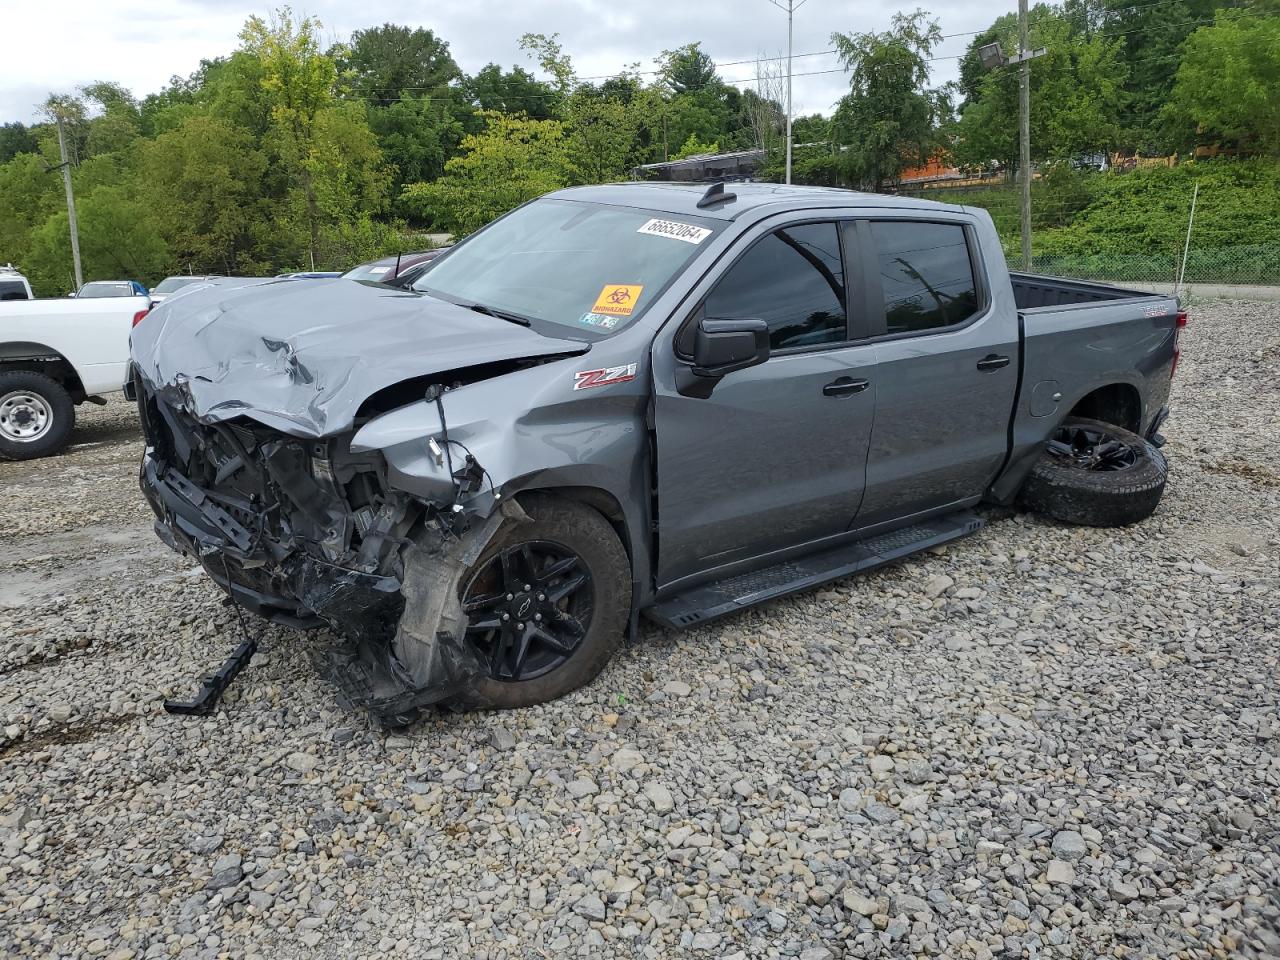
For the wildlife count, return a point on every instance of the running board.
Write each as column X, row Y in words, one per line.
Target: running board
column 721, row 597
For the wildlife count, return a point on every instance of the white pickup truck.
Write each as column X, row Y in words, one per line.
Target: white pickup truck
column 55, row 354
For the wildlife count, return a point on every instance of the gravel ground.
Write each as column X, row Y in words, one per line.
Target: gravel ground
column 1041, row 741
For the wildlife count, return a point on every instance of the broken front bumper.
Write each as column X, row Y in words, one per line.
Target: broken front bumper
column 260, row 571
column 307, row 536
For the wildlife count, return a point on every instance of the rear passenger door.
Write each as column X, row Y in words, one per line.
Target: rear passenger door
column 946, row 372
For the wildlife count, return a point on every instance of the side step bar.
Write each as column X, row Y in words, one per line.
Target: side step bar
column 721, row 597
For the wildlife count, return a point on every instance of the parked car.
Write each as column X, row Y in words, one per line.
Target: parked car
column 633, row 399
column 13, row 285
column 54, row 355
column 111, row 288
column 389, row 268
column 171, row 285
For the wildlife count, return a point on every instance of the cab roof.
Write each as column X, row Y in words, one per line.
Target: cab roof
column 682, row 198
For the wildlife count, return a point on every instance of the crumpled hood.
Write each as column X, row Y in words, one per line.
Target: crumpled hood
column 302, row 355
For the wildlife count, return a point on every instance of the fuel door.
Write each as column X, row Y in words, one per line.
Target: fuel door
column 1045, row 396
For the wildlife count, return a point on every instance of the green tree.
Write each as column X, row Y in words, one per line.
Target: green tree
column 383, row 64
column 887, row 120
column 693, row 147
column 118, row 125
column 687, row 69
column 1228, row 85
column 204, row 187
column 31, row 195
column 513, row 160
column 548, row 53
column 418, row 136
column 1077, row 92
column 516, row 91
column 16, row 138
column 298, row 80
column 1150, row 36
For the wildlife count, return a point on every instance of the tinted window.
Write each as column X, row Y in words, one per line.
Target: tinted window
column 12, row 290
column 793, row 279
column 926, row 274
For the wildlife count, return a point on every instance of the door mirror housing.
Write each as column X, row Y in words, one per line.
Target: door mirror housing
column 723, row 346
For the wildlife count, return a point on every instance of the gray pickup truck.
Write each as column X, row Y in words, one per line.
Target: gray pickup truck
column 675, row 401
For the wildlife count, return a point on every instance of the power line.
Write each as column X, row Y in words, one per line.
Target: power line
column 1243, row 13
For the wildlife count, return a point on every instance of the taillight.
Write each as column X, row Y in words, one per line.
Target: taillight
column 1177, row 335
column 137, row 317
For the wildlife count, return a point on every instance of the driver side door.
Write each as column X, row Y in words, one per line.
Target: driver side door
column 774, row 457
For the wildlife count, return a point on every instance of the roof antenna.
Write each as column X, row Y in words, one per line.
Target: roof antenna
column 715, row 194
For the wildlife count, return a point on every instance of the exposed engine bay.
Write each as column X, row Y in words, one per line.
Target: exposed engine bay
column 308, row 534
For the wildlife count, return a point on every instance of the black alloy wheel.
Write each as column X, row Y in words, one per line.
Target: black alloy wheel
column 1096, row 474
column 1090, row 447
column 529, row 609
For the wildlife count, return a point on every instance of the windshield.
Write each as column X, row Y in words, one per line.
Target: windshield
column 170, row 284
column 106, row 290
column 587, row 266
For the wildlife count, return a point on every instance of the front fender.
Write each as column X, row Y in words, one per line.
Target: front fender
column 527, row 430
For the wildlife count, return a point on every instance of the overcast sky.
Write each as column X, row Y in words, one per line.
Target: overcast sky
column 142, row 45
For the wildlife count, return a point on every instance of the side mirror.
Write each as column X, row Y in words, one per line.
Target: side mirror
column 723, row 346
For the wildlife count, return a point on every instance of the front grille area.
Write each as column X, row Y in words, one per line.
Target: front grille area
column 271, row 517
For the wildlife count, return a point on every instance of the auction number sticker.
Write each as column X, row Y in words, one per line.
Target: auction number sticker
column 617, row 299
column 674, row 230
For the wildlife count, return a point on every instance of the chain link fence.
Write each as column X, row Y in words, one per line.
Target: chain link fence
column 1157, row 265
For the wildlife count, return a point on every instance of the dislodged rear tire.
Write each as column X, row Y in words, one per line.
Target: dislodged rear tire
column 36, row 415
column 547, row 604
column 1096, row 474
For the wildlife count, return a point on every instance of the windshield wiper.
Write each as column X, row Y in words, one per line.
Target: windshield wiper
column 477, row 307
column 500, row 314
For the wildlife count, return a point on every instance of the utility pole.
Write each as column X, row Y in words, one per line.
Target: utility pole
column 71, row 203
column 791, row 9
column 1024, row 132
column 992, row 56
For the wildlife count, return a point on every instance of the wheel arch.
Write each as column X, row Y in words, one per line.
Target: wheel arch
column 39, row 358
column 1119, row 404
column 599, row 499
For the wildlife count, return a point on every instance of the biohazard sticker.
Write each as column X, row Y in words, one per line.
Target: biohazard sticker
column 674, row 230
column 599, row 320
column 617, row 299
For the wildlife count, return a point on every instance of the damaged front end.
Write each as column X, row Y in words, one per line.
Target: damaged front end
column 306, row 533
column 251, row 398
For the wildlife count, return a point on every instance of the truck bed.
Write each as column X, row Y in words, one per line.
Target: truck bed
column 1031, row 291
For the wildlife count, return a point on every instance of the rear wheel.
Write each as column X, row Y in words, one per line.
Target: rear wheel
column 1096, row 474
column 546, row 605
column 36, row 415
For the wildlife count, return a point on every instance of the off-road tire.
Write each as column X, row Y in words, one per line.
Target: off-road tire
column 1098, row 498
column 589, row 535
column 57, row 402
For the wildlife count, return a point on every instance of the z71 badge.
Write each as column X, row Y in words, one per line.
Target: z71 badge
column 602, row 378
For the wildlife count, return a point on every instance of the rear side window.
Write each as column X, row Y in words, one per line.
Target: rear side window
column 12, row 290
column 793, row 279
column 926, row 274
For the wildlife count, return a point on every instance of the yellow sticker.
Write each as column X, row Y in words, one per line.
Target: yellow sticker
column 617, row 299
